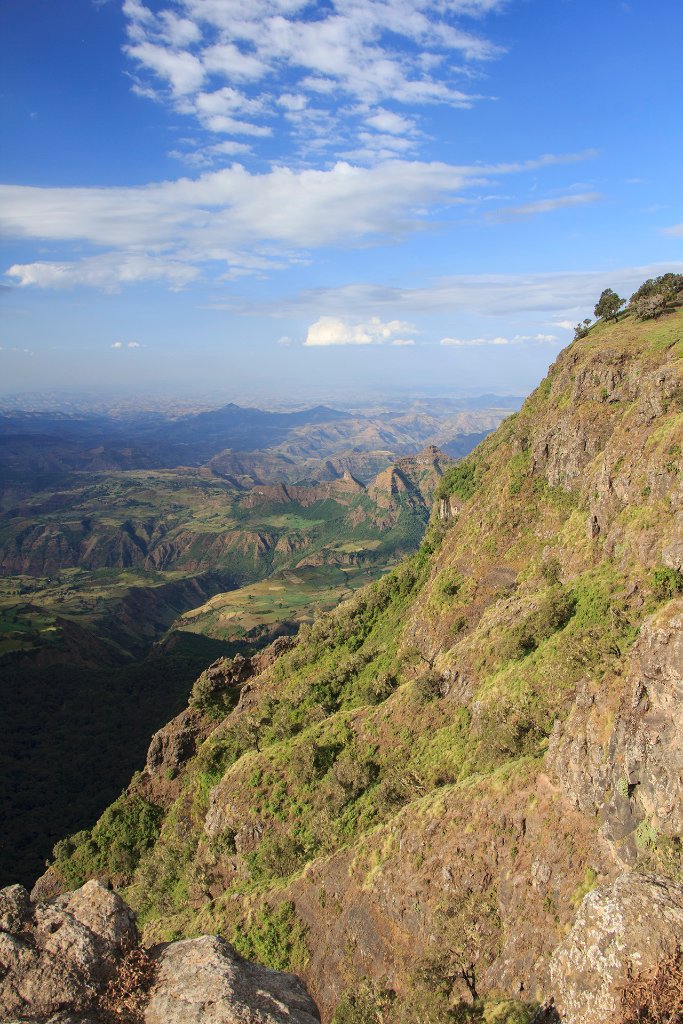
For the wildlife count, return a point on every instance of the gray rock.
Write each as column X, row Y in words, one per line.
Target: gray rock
column 59, row 955
column 632, row 924
column 204, row 981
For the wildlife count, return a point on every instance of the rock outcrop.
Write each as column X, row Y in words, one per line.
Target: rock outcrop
column 620, row 930
column 203, row 981
column 60, row 954
column 633, row 781
column 59, row 962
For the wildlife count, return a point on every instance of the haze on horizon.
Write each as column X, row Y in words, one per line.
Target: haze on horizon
column 289, row 197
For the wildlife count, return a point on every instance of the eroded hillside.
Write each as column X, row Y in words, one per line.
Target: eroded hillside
column 409, row 805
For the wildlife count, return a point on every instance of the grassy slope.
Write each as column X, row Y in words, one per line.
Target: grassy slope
column 423, row 707
column 80, row 637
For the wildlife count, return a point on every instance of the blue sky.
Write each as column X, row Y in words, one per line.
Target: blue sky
column 282, row 197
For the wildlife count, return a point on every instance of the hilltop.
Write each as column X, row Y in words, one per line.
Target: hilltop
column 442, row 798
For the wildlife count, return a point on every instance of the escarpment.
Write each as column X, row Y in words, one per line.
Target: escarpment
column 452, row 789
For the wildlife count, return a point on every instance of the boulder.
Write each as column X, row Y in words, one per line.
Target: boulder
column 57, row 959
column 623, row 928
column 204, row 981
column 59, row 955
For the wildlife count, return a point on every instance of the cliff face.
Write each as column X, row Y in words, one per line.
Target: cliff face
column 449, row 782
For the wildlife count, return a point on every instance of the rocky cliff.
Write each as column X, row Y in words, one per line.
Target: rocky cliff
column 458, row 797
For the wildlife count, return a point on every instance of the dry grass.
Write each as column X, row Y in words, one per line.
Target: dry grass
column 126, row 995
column 655, row 996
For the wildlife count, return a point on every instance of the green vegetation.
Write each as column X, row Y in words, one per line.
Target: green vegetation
column 274, row 937
column 655, row 295
column 125, row 831
column 400, row 744
column 667, row 582
column 608, row 305
column 459, row 481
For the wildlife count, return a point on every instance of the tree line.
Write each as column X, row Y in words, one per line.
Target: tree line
column 647, row 303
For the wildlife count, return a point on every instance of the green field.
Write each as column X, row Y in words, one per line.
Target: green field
column 289, row 597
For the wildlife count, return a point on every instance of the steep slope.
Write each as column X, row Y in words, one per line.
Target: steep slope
column 410, row 805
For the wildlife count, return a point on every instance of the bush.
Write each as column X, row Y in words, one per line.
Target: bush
column 362, row 1005
column 666, row 582
column 650, row 307
column 667, row 284
column 554, row 611
column 275, row 937
column 215, row 693
column 427, row 687
column 275, row 857
column 458, row 480
column 126, row 996
column 114, row 846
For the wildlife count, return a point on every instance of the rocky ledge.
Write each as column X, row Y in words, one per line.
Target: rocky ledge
column 76, row 960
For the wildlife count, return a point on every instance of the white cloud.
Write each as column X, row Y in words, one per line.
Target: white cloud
column 107, row 272
column 126, row 344
column 388, row 121
column 284, row 341
column 517, row 339
column 183, row 72
column 330, row 330
column 403, row 341
column 676, row 230
column 377, row 51
column 545, row 206
column 167, row 230
column 561, row 294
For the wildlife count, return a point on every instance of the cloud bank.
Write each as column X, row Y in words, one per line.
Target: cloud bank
column 239, row 222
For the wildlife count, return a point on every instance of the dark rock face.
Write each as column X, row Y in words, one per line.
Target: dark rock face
column 57, row 958
column 631, row 925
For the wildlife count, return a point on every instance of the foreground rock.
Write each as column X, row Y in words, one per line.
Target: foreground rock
column 624, row 928
column 204, row 980
column 58, row 959
column 61, row 954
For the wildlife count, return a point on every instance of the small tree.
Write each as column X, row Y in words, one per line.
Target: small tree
column 649, row 307
column 581, row 330
column 608, row 305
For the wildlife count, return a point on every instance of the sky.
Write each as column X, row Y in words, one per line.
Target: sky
column 285, row 197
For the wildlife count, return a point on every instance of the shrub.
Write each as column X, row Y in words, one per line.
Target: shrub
column 213, row 694
column 650, row 307
column 458, row 480
column 553, row 612
column 427, row 687
column 128, row 828
column 275, row 857
column 126, row 995
column 666, row 582
column 363, row 1004
column 667, row 284
column 275, row 937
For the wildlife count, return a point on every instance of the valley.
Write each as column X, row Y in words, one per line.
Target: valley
column 436, row 800
column 121, row 580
